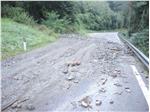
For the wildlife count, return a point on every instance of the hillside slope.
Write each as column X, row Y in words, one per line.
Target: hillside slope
column 14, row 33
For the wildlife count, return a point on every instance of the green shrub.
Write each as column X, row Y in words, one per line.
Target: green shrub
column 53, row 21
column 141, row 41
column 17, row 14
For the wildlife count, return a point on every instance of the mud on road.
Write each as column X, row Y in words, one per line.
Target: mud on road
column 74, row 74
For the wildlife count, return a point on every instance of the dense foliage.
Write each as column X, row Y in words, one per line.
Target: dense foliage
column 74, row 16
column 88, row 15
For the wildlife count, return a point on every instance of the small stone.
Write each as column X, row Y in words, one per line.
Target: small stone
column 117, row 71
column 117, row 84
column 73, row 64
column 146, row 76
column 85, row 102
column 127, row 89
column 74, row 104
column 69, row 85
column 68, row 63
column 73, row 69
column 102, row 90
column 98, row 102
column 65, row 71
column 111, row 102
column 114, row 75
column 30, row 107
column 14, row 105
column 104, row 81
column 19, row 106
column 118, row 93
column 76, row 81
column 70, row 77
column 16, row 78
column 78, row 63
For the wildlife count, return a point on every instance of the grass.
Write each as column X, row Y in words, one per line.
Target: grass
column 12, row 37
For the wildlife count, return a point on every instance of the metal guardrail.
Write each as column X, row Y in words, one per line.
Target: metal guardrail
column 137, row 52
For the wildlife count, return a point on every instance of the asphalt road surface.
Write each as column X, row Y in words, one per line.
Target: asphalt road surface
column 75, row 74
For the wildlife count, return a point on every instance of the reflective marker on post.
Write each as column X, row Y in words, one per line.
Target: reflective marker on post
column 24, row 46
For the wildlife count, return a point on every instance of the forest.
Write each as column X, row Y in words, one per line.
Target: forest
column 130, row 18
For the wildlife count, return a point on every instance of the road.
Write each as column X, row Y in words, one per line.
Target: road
column 74, row 74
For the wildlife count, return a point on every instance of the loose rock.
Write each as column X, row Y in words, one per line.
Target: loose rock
column 30, row 107
column 146, row 76
column 118, row 93
column 70, row 77
column 14, row 105
column 65, row 71
column 104, row 81
column 98, row 102
column 127, row 89
column 114, row 75
column 102, row 90
column 76, row 81
column 111, row 102
column 85, row 102
column 117, row 84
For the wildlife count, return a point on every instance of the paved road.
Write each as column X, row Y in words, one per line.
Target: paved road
column 74, row 74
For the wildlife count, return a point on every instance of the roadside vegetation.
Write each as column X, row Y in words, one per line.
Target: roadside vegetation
column 13, row 35
column 41, row 22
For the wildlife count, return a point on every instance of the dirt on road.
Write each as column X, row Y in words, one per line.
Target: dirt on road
column 74, row 74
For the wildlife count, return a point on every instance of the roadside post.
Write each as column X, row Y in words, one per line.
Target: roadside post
column 24, row 44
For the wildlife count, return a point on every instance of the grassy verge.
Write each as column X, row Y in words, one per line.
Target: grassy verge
column 12, row 37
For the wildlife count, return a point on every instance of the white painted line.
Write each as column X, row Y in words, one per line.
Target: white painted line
column 141, row 83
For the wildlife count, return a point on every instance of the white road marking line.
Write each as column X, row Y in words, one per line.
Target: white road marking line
column 141, row 83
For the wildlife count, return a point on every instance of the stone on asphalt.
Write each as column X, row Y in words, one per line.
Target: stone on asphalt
column 98, row 102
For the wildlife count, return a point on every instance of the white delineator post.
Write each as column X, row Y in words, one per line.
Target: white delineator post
column 24, row 44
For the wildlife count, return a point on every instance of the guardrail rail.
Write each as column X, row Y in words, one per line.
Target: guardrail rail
column 136, row 51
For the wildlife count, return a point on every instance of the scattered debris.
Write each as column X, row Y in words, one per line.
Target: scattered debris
column 74, row 104
column 86, row 102
column 69, row 85
column 127, row 89
column 18, row 103
column 118, row 93
column 15, row 105
column 102, row 90
column 114, row 75
column 17, row 77
column 73, row 69
column 146, row 76
column 70, row 77
column 103, row 81
column 30, row 107
column 65, row 71
column 98, row 102
column 117, row 84
column 111, row 102
column 117, row 71
column 73, row 63
column 76, row 81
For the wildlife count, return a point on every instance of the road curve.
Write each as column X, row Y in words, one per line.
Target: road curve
column 48, row 79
